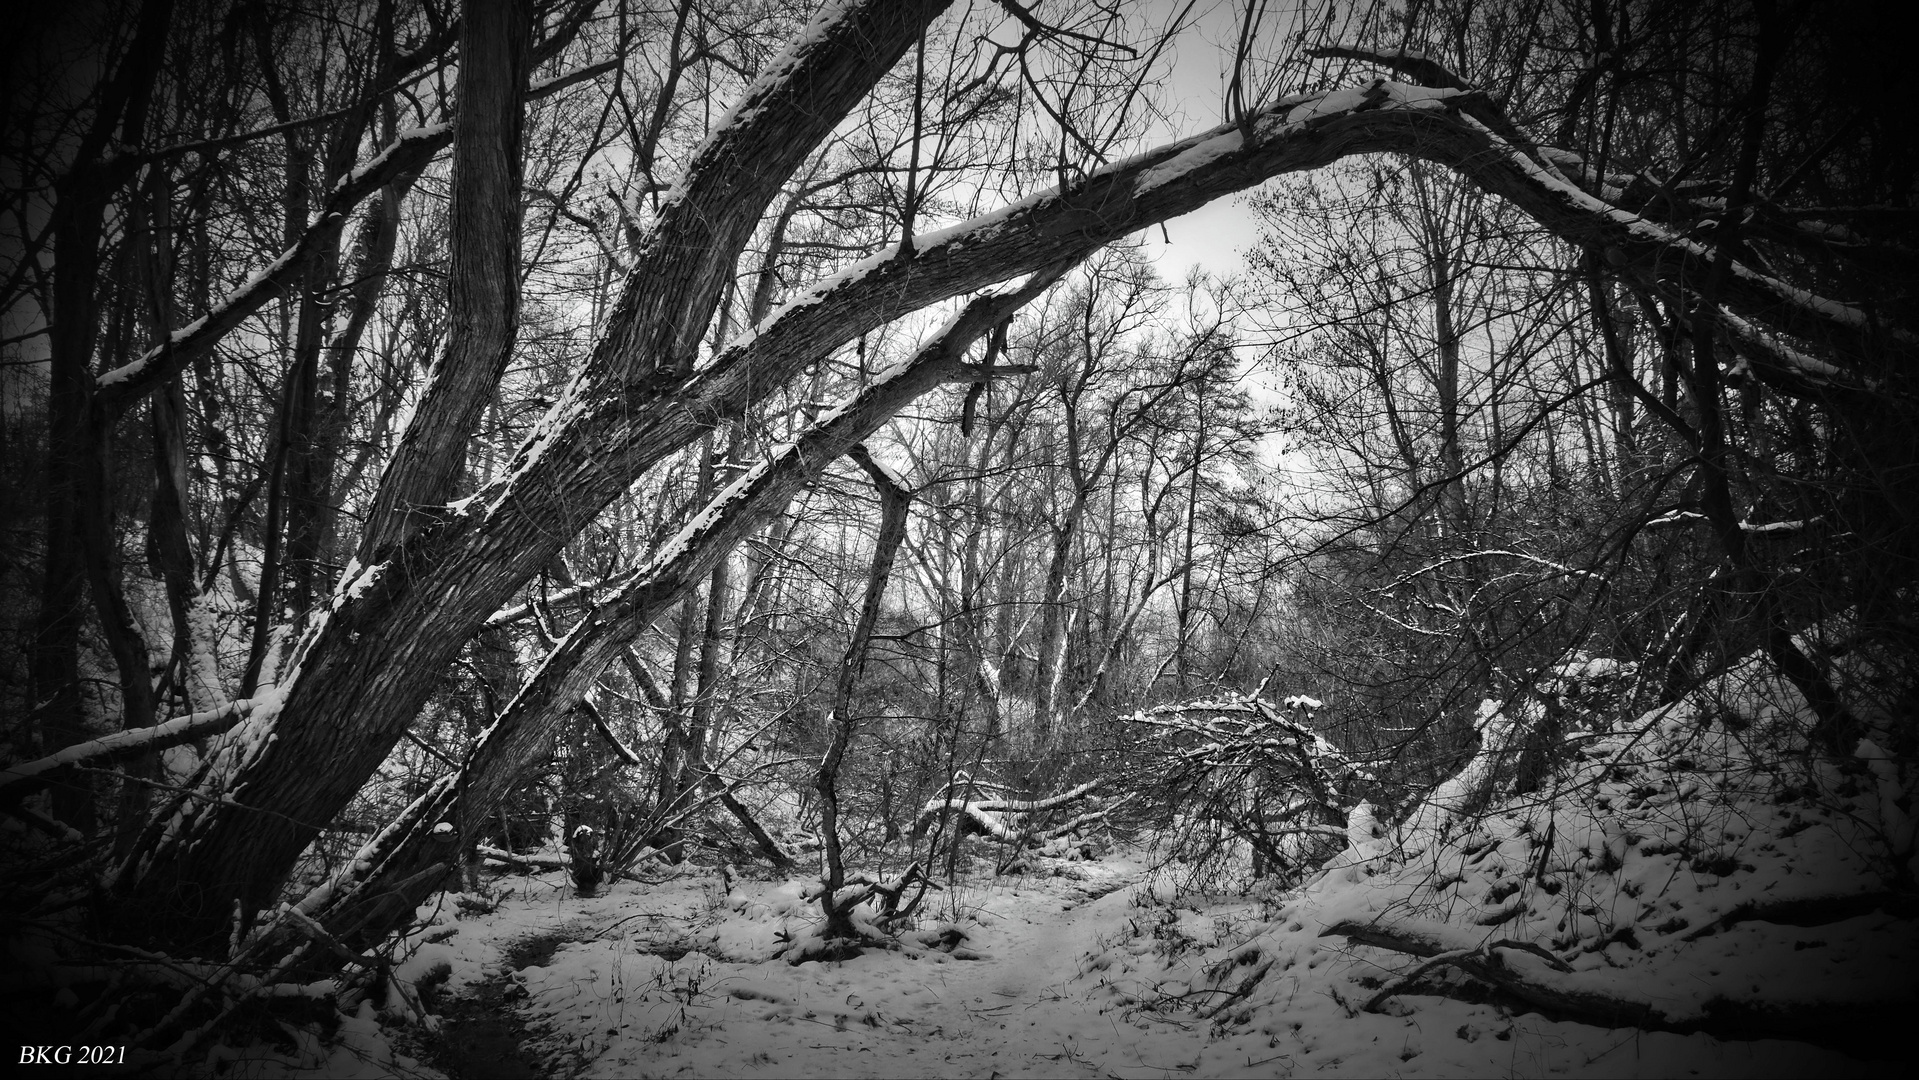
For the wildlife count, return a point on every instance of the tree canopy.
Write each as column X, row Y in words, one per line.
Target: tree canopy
column 421, row 420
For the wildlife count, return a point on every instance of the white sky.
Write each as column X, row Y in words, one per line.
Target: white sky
column 1212, row 236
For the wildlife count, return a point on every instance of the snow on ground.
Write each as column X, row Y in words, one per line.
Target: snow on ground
column 991, row 991
column 1288, row 1001
column 1075, row 969
column 1682, row 870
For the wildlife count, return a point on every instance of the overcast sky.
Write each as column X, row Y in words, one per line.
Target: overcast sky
column 1213, row 235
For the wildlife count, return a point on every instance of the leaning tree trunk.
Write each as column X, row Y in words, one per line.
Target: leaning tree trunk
column 894, row 503
column 410, row 602
column 483, row 297
column 353, row 681
column 389, row 878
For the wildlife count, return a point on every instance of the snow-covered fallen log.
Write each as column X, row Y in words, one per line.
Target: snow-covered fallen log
column 528, row 862
column 544, row 863
column 1010, row 821
column 1523, row 969
column 1610, row 998
column 1082, row 822
column 1659, row 880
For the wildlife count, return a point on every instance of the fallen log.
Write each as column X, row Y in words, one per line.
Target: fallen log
column 1522, row 972
column 526, row 862
column 1816, row 909
column 1008, row 821
column 1618, row 999
column 561, row 862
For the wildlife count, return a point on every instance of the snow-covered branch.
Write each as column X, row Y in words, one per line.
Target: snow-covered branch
column 1473, row 137
column 1051, row 802
column 1009, row 821
column 1464, row 556
column 620, row 749
column 17, row 780
column 562, row 680
column 1685, row 517
column 521, row 612
column 1412, row 63
column 411, row 150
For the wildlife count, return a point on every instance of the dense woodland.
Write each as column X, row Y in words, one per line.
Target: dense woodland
column 754, row 430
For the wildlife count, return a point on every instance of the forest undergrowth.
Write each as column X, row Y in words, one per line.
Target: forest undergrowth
column 1683, row 894
column 731, row 536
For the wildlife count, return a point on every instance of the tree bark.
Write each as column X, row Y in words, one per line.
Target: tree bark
column 409, row 609
column 483, row 302
column 1525, row 971
column 895, row 501
column 526, row 728
column 77, row 541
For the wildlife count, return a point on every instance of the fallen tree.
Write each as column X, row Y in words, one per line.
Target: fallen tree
column 462, row 563
column 1645, row 884
column 432, row 570
column 1531, row 974
column 1015, row 822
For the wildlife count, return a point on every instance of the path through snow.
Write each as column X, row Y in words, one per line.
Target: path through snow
column 680, row 979
column 674, row 980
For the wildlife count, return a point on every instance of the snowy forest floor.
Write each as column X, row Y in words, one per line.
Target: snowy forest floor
column 682, row 978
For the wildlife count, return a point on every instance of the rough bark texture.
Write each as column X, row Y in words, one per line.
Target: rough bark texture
column 354, row 682
column 526, row 728
column 483, row 302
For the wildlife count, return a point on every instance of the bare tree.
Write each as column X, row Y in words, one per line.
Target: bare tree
column 683, row 348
